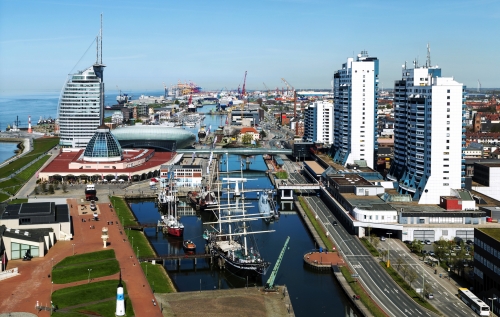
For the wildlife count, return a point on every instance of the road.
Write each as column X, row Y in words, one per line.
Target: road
column 372, row 276
column 444, row 290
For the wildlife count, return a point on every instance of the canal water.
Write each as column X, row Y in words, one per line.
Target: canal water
column 312, row 293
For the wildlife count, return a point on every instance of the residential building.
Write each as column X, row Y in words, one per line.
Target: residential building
column 429, row 134
column 355, row 111
column 251, row 131
column 318, row 122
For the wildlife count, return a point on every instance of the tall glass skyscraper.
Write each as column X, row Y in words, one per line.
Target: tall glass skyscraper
column 81, row 106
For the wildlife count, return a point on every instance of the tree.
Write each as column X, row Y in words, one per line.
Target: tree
column 427, row 289
column 384, row 254
column 64, row 187
column 375, row 241
column 404, row 271
column 416, row 246
column 263, row 134
column 399, row 262
column 440, row 248
column 247, row 138
column 412, row 276
column 51, row 188
column 44, row 187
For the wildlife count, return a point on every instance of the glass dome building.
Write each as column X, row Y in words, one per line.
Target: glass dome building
column 103, row 147
column 160, row 138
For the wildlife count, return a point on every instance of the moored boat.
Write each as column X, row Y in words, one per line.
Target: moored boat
column 188, row 246
column 202, row 133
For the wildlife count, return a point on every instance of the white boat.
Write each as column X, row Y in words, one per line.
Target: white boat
column 267, row 207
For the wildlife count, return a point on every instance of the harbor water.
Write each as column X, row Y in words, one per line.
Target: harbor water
column 312, row 293
column 7, row 150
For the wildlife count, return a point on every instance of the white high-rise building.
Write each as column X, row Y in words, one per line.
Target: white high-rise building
column 429, row 134
column 81, row 106
column 318, row 122
column 355, row 111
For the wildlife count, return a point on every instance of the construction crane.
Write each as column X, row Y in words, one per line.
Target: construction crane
column 288, row 86
column 269, row 287
column 267, row 90
column 243, row 91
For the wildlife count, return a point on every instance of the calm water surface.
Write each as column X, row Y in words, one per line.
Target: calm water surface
column 7, row 150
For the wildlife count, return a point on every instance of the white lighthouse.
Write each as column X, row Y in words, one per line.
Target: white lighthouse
column 120, row 300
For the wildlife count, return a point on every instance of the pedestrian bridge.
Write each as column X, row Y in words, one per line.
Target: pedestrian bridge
column 286, row 191
column 238, row 151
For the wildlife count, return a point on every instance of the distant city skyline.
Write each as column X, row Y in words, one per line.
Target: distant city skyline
column 213, row 43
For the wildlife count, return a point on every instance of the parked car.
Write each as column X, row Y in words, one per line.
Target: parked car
column 424, row 251
column 407, row 241
column 427, row 241
column 469, row 242
column 457, row 248
column 431, row 253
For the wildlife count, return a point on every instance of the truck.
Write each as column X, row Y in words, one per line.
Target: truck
column 90, row 192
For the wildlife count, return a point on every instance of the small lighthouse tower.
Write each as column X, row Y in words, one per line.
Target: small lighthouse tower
column 120, row 300
column 29, row 125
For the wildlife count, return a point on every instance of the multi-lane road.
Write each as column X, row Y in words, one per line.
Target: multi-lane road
column 444, row 290
column 372, row 276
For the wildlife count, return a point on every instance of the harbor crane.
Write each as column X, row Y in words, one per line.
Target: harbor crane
column 267, row 89
column 269, row 287
column 288, row 86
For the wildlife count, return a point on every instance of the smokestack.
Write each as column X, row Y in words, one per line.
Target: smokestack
column 29, row 125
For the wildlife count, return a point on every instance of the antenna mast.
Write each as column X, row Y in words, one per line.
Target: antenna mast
column 101, row 38
column 428, row 55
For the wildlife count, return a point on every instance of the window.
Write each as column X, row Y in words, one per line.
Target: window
column 448, row 91
column 448, row 116
column 448, row 97
column 446, row 184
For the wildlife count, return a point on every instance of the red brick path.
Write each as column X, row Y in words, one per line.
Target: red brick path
column 33, row 283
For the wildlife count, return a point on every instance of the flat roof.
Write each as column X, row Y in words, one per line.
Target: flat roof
column 349, row 179
column 492, row 232
column 315, row 167
column 489, row 164
column 373, row 203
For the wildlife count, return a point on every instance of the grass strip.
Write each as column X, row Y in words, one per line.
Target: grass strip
column 408, row 289
column 86, row 293
column 18, row 201
column 3, row 197
column 140, row 243
column 363, row 296
column 27, row 173
column 123, row 212
column 157, row 278
column 319, row 229
column 87, row 257
column 107, row 308
column 370, row 247
column 80, row 272
column 40, row 146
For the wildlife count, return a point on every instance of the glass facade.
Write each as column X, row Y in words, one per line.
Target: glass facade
column 103, row 147
column 18, row 250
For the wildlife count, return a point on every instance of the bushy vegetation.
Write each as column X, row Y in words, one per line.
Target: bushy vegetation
column 282, row 175
column 319, row 229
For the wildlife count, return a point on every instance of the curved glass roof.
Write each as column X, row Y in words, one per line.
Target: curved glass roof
column 103, row 146
column 151, row 132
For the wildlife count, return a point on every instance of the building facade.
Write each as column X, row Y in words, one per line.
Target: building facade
column 429, row 134
column 355, row 111
column 318, row 122
column 81, row 107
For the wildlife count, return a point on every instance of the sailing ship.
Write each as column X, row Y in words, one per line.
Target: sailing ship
column 232, row 241
column 167, row 201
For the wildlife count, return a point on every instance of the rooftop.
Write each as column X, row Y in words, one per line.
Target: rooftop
column 494, row 233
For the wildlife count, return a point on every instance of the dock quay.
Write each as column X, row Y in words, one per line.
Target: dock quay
column 242, row 302
column 349, row 292
column 322, row 260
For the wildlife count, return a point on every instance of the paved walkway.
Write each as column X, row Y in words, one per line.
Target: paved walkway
column 21, row 293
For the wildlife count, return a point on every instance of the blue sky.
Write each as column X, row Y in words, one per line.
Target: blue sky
column 213, row 43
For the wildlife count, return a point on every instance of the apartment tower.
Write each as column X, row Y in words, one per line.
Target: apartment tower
column 429, row 134
column 355, row 111
column 318, row 122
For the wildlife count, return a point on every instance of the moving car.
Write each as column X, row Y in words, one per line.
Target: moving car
column 334, row 222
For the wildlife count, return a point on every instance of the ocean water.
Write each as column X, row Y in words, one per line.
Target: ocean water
column 44, row 105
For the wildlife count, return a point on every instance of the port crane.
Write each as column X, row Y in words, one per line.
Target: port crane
column 288, row 86
column 269, row 287
column 267, row 89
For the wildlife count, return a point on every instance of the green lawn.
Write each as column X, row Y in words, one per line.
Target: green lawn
column 363, row 296
column 139, row 240
column 407, row 288
column 157, row 278
column 79, row 272
column 18, row 201
column 328, row 243
column 123, row 211
column 4, row 197
column 40, row 146
column 107, row 308
column 87, row 257
column 370, row 247
column 26, row 174
column 86, row 293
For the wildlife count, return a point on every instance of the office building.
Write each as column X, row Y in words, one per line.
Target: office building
column 355, row 111
column 429, row 134
column 318, row 122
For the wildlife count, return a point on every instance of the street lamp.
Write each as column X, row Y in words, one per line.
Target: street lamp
column 388, row 246
column 90, row 270
column 492, row 299
column 73, row 248
column 132, row 244
column 137, row 252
